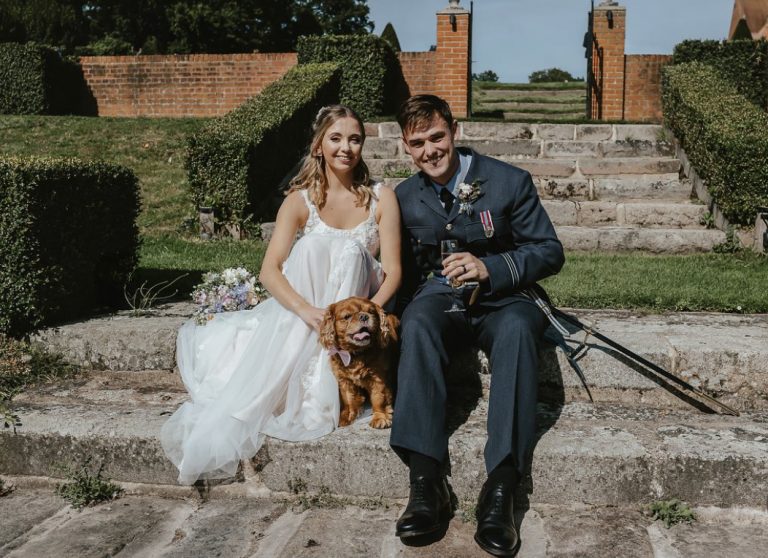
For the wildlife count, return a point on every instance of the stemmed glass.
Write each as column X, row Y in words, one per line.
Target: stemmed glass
column 448, row 247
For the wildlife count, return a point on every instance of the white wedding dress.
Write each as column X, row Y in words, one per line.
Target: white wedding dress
column 262, row 371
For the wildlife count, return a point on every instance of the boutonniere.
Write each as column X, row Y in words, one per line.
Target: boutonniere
column 467, row 194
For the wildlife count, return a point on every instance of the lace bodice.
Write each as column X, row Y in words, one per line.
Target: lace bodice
column 367, row 232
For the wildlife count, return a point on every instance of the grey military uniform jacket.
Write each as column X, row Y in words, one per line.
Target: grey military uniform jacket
column 522, row 250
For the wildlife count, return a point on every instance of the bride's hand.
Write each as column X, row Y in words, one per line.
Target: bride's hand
column 312, row 316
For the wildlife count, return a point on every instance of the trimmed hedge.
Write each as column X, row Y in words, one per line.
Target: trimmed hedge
column 725, row 136
column 236, row 163
column 744, row 63
column 372, row 80
column 69, row 237
column 34, row 79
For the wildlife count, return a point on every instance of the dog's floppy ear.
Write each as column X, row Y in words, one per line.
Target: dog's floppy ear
column 328, row 328
column 388, row 324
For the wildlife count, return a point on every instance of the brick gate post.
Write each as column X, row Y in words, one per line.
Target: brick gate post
column 453, row 60
column 608, row 26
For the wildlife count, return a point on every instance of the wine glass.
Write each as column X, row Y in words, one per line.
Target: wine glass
column 448, row 247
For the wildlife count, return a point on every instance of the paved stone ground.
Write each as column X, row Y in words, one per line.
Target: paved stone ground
column 36, row 523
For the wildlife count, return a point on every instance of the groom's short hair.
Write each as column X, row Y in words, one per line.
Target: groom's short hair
column 419, row 111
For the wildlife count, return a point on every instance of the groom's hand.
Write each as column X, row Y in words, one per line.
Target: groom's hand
column 465, row 267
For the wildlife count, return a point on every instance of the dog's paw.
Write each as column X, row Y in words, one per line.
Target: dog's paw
column 347, row 417
column 380, row 420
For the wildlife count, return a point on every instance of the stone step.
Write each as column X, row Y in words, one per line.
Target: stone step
column 653, row 133
column 392, row 148
column 668, row 215
column 627, row 238
column 582, row 167
column 37, row 523
column 658, row 187
column 725, row 355
column 602, row 453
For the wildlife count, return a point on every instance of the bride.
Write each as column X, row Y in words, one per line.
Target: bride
column 262, row 372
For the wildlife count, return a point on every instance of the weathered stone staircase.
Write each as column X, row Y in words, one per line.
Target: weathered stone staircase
column 605, row 187
column 639, row 441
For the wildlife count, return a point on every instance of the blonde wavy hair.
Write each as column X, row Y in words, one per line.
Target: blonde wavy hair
column 312, row 177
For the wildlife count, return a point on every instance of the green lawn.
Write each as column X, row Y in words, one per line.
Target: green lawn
column 706, row 282
column 581, row 85
column 152, row 147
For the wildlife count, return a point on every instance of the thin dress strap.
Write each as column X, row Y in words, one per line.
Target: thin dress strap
column 375, row 199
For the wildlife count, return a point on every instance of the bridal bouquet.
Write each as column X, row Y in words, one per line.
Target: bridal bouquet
column 232, row 289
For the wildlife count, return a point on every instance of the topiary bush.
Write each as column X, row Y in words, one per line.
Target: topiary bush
column 69, row 237
column 744, row 63
column 725, row 136
column 34, row 79
column 372, row 80
column 236, row 163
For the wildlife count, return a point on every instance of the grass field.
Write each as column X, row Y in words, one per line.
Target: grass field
column 154, row 149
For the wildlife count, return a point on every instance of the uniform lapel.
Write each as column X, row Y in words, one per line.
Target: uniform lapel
column 429, row 197
column 471, row 175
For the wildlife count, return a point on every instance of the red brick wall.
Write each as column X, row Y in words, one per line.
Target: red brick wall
column 642, row 86
column 214, row 84
column 419, row 71
column 180, row 85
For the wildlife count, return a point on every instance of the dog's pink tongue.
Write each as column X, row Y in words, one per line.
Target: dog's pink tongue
column 361, row 336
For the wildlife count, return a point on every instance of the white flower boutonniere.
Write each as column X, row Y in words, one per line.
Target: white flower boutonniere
column 467, row 194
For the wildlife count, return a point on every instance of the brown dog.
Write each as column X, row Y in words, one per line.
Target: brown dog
column 361, row 340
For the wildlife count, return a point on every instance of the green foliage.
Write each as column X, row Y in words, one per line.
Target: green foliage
column 69, row 237
column 371, row 80
column 743, row 63
column 109, row 45
column 390, row 36
column 551, row 75
column 34, row 79
column 487, row 75
column 236, row 163
column 183, row 26
column 672, row 512
column 86, row 487
column 725, row 136
column 22, row 365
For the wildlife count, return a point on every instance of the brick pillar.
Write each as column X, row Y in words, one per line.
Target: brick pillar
column 452, row 71
column 608, row 27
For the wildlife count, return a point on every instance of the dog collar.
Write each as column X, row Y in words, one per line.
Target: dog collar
column 345, row 357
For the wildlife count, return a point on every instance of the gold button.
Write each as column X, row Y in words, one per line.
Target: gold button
column 449, row 227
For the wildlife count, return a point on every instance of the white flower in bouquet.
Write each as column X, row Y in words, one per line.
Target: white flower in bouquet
column 231, row 290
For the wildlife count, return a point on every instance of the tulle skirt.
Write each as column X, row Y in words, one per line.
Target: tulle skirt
column 262, row 372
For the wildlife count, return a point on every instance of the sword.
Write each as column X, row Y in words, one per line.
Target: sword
column 540, row 298
column 642, row 361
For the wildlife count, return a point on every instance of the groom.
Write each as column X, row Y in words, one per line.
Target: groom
column 507, row 244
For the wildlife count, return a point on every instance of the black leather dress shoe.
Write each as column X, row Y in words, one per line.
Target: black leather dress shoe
column 429, row 507
column 496, row 533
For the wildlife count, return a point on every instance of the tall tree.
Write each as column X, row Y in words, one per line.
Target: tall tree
column 159, row 26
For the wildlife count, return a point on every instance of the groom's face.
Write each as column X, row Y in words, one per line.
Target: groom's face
column 432, row 148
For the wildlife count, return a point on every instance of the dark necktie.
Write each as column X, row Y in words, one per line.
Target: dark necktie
column 447, row 198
